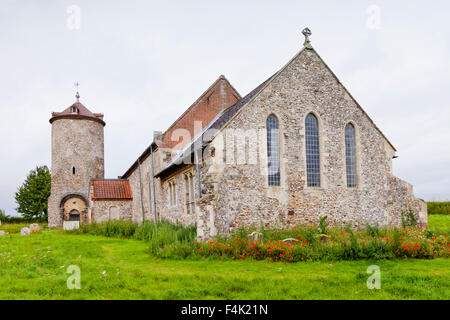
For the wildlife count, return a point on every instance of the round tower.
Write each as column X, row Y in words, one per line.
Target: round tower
column 77, row 158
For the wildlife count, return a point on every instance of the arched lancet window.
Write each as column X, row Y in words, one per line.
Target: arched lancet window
column 312, row 151
column 273, row 151
column 350, row 155
column 73, row 170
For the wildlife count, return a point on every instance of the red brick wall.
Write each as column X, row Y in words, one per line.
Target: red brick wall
column 220, row 95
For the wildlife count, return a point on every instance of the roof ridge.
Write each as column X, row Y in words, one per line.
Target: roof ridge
column 220, row 116
column 221, row 77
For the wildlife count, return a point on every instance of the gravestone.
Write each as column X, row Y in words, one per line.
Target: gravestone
column 256, row 237
column 25, row 231
column 290, row 240
column 34, row 228
column 71, row 225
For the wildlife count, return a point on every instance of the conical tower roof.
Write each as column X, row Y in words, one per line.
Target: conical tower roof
column 77, row 111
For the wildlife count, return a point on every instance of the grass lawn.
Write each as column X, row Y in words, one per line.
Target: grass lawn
column 16, row 227
column 439, row 222
column 35, row 267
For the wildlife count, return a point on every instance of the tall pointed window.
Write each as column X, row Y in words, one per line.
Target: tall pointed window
column 312, row 151
column 350, row 155
column 273, row 151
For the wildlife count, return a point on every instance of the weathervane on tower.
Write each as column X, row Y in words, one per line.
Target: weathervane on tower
column 306, row 32
column 76, row 84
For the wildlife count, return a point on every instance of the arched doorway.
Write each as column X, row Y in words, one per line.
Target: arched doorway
column 74, row 215
column 73, row 210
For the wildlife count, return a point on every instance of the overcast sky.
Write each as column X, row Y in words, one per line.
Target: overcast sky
column 142, row 63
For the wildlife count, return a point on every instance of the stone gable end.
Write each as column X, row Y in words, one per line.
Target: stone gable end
column 239, row 194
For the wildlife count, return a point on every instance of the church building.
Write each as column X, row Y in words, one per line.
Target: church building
column 295, row 148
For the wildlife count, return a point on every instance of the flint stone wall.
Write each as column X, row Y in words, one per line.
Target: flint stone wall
column 238, row 195
column 75, row 143
column 101, row 210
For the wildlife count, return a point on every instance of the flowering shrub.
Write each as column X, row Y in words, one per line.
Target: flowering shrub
column 337, row 245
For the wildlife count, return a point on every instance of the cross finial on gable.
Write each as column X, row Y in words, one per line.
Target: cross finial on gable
column 306, row 32
column 76, row 84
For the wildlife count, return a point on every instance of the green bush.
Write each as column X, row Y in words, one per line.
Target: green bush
column 9, row 219
column 435, row 207
column 373, row 230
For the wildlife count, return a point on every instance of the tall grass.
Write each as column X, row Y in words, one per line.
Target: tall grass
column 435, row 207
column 315, row 243
column 163, row 238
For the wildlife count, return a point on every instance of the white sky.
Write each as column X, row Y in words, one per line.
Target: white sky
column 142, row 63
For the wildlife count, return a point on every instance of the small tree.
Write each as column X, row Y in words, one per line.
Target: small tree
column 3, row 215
column 33, row 194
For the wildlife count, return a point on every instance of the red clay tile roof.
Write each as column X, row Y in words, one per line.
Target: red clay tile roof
column 81, row 112
column 112, row 190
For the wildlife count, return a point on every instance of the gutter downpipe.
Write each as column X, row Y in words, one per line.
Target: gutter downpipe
column 197, row 167
column 140, row 187
column 153, row 184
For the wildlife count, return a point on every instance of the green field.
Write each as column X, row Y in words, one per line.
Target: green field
column 35, row 267
column 440, row 223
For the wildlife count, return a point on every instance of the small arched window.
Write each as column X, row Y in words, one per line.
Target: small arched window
column 312, row 151
column 273, row 151
column 350, row 155
column 73, row 170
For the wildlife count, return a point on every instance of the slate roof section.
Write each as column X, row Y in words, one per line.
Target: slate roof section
column 212, row 128
column 231, row 111
column 160, row 144
column 112, row 189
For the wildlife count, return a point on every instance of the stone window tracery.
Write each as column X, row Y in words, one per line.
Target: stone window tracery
column 273, row 151
column 350, row 155
column 312, row 151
